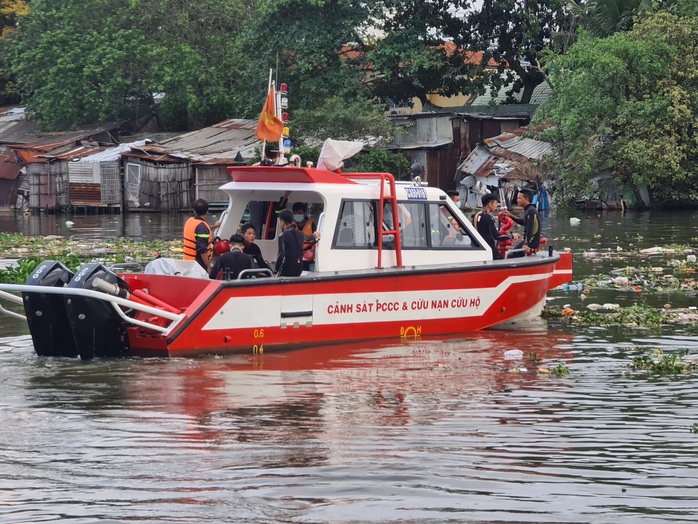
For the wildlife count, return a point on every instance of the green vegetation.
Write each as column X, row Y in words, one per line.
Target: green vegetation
column 637, row 315
column 658, row 363
column 30, row 251
column 561, row 370
column 628, row 104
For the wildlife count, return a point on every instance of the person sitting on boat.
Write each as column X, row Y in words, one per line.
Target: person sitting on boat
column 484, row 223
column 307, row 227
column 229, row 265
column 250, row 248
column 530, row 222
column 198, row 237
column 289, row 262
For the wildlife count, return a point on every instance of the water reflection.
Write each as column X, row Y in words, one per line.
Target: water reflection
column 426, row 431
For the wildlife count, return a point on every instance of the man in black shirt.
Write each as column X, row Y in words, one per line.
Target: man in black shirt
column 530, row 222
column 290, row 260
column 484, row 223
column 229, row 265
column 249, row 234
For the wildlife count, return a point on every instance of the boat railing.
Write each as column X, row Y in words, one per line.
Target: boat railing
column 175, row 318
column 384, row 178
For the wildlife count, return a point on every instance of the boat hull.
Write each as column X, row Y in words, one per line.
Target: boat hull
column 406, row 303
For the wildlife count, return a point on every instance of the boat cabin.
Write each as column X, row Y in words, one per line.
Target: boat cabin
column 354, row 213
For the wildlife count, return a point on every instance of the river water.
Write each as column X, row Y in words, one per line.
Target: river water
column 464, row 430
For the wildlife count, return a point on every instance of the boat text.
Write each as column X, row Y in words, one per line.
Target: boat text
column 421, row 304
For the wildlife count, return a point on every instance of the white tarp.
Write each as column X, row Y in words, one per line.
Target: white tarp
column 176, row 267
column 334, row 152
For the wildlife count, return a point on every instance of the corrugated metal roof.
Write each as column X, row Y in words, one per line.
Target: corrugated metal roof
column 112, row 154
column 73, row 153
column 527, row 147
column 540, row 94
column 475, row 160
column 219, row 142
column 23, row 134
column 506, row 156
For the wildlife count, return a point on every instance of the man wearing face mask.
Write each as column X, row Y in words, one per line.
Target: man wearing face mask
column 308, row 227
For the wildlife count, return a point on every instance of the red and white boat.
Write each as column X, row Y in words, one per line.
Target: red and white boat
column 427, row 274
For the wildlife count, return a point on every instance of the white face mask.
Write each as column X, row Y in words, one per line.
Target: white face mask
column 298, row 218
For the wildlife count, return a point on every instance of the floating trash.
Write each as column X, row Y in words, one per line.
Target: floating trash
column 513, row 354
column 69, row 223
column 574, row 221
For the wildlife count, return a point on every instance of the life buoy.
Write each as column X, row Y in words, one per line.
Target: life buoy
column 506, row 224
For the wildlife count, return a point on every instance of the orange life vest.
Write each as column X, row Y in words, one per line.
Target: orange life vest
column 189, row 247
column 308, row 245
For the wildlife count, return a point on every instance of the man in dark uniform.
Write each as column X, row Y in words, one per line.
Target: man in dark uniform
column 530, row 222
column 290, row 260
column 249, row 235
column 484, row 223
column 229, row 265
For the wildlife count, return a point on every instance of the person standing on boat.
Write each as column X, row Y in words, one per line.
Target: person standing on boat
column 198, row 237
column 289, row 262
column 308, row 228
column 229, row 265
column 484, row 223
column 250, row 248
column 530, row 222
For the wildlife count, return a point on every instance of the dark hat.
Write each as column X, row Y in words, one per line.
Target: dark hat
column 489, row 197
column 237, row 239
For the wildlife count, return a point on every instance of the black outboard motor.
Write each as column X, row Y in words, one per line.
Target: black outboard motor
column 46, row 316
column 97, row 328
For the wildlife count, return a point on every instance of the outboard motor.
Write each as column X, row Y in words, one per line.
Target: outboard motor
column 46, row 316
column 97, row 328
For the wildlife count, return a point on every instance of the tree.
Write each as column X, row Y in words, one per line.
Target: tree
column 414, row 54
column 85, row 61
column 10, row 11
column 343, row 119
column 602, row 18
column 516, row 34
column 312, row 45
column 628, row 103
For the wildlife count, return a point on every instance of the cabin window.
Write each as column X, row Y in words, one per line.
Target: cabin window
column 412, row 223
column 356, row 225
column 446, row 231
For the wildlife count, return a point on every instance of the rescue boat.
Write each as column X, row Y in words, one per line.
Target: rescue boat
column 395, row 260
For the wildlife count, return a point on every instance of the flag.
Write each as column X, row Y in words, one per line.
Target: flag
column 269, row 127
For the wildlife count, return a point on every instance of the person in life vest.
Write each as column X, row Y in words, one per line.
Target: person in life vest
column 308, row 228
column 197, row 236
column 530, row 222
